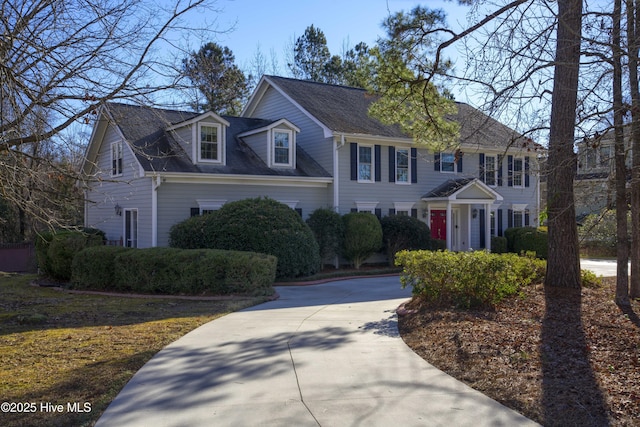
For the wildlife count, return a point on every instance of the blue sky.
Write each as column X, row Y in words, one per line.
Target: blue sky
column 274, row 25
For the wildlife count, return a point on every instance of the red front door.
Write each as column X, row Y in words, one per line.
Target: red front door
column 439, row 224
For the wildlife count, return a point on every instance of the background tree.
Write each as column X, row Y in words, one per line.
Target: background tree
column 213, row 72
column 311, row 56
column 59, row 61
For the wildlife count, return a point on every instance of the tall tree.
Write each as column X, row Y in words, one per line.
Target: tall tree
column 563, row 263
column 622, row 247
column 311, row 55
column 212, row 70
column 59, row 61
column 633, row 42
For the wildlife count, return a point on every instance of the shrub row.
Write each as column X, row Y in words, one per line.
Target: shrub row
column 467, row 279
column 174, row 271
column 55, row 250
column 257, row 225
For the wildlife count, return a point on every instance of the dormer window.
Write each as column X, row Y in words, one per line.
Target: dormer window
column 210, row 136
column 282, row 153
column 116, row 158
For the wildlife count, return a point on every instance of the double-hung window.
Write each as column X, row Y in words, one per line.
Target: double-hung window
column 518, row 219
column 518, row 172
column 210, row 136
column 447, row 162
column 116, row 158
column 365, row 163
column 282, row 153
column 490, row 170
column 402, row 166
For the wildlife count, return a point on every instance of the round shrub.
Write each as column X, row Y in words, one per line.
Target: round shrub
column 55, row 250
column 362, row 237
column 400, row 232
column 328, row 229
column 257, row 225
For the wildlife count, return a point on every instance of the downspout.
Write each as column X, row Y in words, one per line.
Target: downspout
column 336, row 173
column 156, row 181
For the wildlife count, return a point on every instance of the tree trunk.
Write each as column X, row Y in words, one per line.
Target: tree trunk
column 563, row 264
column 635, row 147
column 622, row 247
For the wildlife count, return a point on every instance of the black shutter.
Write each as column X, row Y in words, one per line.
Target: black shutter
column 299, row 211
column 392, row 212
column 377, row 163
column 526, row 218
column 526, row 171
column 481, row 168
column 392, row 164
column 483, row 228
column 354, row 161
column 436, row 162
column 500, row 157
column 378, row 213
column 414, row 213
column 460, row 163
column 414, row 165
column 499, row 213
column 195, row 211
column 509, row 218
column 510, row 171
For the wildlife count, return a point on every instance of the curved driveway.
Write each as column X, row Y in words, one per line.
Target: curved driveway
column 322, row 355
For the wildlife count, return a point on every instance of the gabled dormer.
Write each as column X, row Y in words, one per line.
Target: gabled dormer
column 203, row 137
column 275, row 143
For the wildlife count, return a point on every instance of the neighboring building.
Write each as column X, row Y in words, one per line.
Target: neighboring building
column 308, row 145
column 594, row 185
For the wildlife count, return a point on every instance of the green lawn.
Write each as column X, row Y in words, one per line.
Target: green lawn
column 59, row 348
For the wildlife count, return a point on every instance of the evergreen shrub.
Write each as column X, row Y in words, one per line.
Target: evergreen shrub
column 400, row 232
column 55, row 250
column 467, row 279
column 527, row 239
column 499, row 245
column 259, row 225
column 328, row 229
column 362, row 237
column 94, row 267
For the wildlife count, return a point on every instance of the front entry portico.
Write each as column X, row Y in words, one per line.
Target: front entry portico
column 451, row 209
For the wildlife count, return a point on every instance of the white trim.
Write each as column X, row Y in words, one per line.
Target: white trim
column 201, row 117
column 290, row 149
column 455, row 164
column 366, row 206
column 285, row 181
column 408, row 181
column 119, row 170
column 495, row 169
column 403, row 206
column 210, row 204
column 521, row 172
column 220, row 139
column 291, row 203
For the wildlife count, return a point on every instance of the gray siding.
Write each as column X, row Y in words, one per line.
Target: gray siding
column 176, row 200
column 274, row 106
column 130, row 191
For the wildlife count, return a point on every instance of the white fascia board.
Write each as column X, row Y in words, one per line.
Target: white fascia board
column 375, row 138
column 196, row 119
column 282, row 181
column 273, row 125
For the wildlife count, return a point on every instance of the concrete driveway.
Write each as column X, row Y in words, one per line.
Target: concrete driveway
column 601, row 267
column 322, row 355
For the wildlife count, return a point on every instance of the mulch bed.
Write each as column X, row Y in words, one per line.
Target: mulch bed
column 561, row 358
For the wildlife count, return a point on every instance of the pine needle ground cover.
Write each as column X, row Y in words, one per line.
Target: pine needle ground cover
column 66, row 356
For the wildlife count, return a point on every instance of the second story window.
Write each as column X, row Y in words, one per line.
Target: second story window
column 518, row 172
column 447, row 162
column 402, row 166
column 365, row 163
column 490, row 170
column 209, row 142
column 116, row 158
column 282, row 154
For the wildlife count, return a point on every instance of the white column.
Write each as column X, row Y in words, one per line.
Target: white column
column 487, row 226
column 449, row 226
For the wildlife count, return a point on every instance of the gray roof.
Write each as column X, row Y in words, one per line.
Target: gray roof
column 346, row 109
column 157, row 150
column 447, row 188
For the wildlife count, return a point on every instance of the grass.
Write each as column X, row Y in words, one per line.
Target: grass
column 63, row 348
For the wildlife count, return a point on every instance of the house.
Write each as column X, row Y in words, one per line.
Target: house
column 308, row 145
column 594, row 185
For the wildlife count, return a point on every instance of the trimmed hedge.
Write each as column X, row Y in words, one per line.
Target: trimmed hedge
column 257, row 225
column 55, row 250
column 400, row 232
column 499, row 245
column 175, row 271
column 527, row 239
column 362, row 237
column 467, row 279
